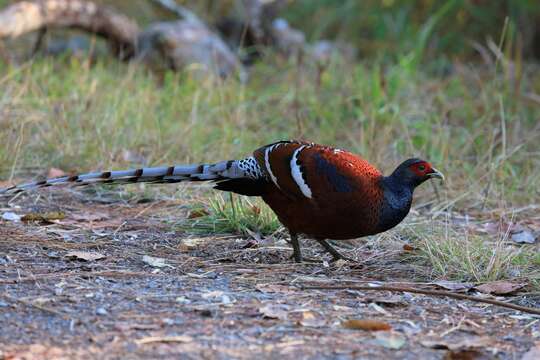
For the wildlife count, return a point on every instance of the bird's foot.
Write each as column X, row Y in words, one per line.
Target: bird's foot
column 336, row 255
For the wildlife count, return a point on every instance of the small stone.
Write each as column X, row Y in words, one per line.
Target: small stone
column 523, row 237
column 417, row 310
column 101, row 311
column 11, row 216
column 183, row 300
column 167, row 321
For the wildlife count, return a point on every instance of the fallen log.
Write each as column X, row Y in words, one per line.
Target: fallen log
column 179, row 44
column 28, row 16
column 175, row 45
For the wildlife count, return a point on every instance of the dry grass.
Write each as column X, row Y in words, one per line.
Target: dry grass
column 450, row 251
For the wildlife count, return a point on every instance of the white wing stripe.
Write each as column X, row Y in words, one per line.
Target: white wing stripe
column 267, row 164
column 297, row 173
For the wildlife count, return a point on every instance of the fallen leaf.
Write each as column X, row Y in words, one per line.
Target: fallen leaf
column 390, row 340
column 251, row 244
column 255, row 235
column 532, row 354
column 395, row 300
column 523, row 237
column 45, row 217
column 55, row 173
column 493, row 228
column 275, row 311
column 155, row 261
column 378, row 308
column 11, row 216
column 197, row 213
column 212, row 294
column 454, row 286
column 274, row 288
column 84, row 255
column 499, row 287
column 342, row 308
column 407, row 247
column 469, row 343
column 465, row 355
column 190, row 244
column 153, row 339
column 41, row 300
column 312, row 319
column 366, row 324
column 337, row 264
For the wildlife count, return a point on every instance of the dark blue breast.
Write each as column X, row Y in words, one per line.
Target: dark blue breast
column 396, row 203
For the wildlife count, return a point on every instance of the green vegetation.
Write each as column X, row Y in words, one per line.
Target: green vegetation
column 391, row 28
column 239, row 215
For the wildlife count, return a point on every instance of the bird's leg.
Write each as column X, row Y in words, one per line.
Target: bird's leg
column 335, row 254
column 297, row 253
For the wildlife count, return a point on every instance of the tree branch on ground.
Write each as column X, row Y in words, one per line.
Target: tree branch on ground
column 175, row 45
column 28, row 16
column 426, row 292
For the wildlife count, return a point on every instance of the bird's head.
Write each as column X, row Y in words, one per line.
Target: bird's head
column 414, row 172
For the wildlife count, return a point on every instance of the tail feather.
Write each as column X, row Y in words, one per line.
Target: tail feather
column 224, row 170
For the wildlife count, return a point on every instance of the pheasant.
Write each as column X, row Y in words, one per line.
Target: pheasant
column 319, row 191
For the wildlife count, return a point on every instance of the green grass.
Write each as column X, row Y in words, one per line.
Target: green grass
column 236, row 215
column 480, row 126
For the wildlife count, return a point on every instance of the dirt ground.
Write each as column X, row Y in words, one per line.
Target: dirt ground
column 157, row 292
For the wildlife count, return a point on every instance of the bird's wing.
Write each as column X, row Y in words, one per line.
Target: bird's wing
column 335, row 175
column 310, row 171
column 279, row 161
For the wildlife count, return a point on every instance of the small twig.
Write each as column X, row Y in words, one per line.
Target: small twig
column 34, row 305
column 109, row 273
column 18, row 145
column 168, row 339
column 451, row 330
column 428, row 292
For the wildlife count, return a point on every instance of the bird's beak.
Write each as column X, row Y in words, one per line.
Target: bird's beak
column 436, row 174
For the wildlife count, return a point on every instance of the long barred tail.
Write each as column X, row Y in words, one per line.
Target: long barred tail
column 246, row 171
